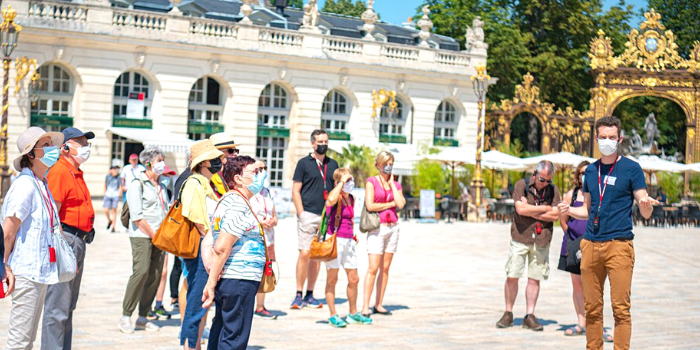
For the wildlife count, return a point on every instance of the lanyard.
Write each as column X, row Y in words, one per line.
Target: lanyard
column 264, row 203
column 47, row 201
column 262, row 232
column 602, row 192
column 159, row 192
column 323, row 172
column 350, row 207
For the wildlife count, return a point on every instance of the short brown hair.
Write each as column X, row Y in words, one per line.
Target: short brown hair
column 233, row 167
column 338, row 173
column 609, row 121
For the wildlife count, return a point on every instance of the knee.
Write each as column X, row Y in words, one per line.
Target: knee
column 331, row 281
column 304, row 255
column 353, row 280
column 372, row 270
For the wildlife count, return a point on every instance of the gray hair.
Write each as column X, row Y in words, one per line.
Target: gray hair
column 149, row 154
column 545, row 165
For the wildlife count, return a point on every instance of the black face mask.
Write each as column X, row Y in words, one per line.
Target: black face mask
column 215, row 165
column 321, row 149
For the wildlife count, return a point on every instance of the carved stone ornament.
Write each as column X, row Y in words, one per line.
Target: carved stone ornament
column 475, row 35
column 214, row 64
column 58, row 50
column 310, row 20
column 247, row 10
column 282, row 72
column 453, row 88
column 175, row 11
column 343, row 76
column 401, row 83
column 370, row 18
column 425, row 25
column 140, row 56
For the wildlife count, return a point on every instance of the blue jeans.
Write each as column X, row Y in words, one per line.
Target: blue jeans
column 197, row 277
column 235, row 301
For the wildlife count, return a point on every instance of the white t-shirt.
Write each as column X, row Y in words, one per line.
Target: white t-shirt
column 263, row 205
column 129, row 173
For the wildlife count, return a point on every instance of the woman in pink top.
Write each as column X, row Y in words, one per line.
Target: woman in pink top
column 382, row 195
column 345, row 241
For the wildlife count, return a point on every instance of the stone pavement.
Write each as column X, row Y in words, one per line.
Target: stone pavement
column 446, row 291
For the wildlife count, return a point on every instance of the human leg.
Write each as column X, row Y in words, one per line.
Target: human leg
column 593, row 275
column 25, row 312
column 331, row 280
column 619, row 261
column 374, row 263
column 140, row 260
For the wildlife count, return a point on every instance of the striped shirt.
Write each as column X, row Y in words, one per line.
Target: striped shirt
column 247, row 258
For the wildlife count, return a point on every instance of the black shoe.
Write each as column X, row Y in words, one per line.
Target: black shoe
column 109, row 225
column 385, row 313
column 161, row 312
column 152, row 315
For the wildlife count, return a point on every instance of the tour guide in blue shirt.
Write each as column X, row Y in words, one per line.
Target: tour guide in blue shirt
column 611, row 186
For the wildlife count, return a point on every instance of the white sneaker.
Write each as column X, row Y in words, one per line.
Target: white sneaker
column 125, row 325
column 147, row 326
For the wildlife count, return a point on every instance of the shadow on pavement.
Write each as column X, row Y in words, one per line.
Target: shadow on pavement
column 393, row 308
column 173, row 322
column 255, row 347
column 519, row 321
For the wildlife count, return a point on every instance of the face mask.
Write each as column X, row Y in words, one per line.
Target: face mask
column 258, row 182
column 83, row 154
column 387, row 169
column 159, row 168
column 214, row 166
column 50, row 156
column 607, row 147
column 165, row 181
column 349, row 186
column 321, row 149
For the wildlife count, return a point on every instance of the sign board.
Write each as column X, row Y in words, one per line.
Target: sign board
column 283, row 199
column 135, row 105
column 427, row 203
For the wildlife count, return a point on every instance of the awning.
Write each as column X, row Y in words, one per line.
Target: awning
column 166, row 141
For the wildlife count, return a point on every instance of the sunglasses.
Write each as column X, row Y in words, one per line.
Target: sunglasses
column 232, row 150
column 540, row 179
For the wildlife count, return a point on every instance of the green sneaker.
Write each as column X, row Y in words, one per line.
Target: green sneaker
column 357, row 318
column 337, row 322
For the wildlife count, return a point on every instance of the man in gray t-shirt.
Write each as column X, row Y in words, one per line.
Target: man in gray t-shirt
column 111, row 198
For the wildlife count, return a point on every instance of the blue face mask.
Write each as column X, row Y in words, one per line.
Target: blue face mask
column 51, row 155
column 258, row 183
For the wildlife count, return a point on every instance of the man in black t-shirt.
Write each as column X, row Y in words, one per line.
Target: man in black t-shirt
column 313, row 179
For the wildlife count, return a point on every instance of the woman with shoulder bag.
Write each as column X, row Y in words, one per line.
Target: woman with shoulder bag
column 239, row 257
column 346, row 242
column 198, row 208
column 30, row 221
column 148, row 206
column 383, row 196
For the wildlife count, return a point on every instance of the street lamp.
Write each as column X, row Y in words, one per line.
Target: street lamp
column 480, row 82
column 9, row 31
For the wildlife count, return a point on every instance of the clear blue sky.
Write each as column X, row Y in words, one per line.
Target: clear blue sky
column 398, row 11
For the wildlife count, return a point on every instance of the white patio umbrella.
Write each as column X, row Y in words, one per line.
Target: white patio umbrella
column 561, row 160
column 453, row 157
column 650, row 164
column 695, row 167
column 501, row 161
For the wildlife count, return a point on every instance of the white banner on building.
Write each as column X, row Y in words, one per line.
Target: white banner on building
column 427, row 203
column 135, row 105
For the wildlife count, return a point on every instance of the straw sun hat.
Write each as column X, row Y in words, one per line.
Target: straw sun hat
column 223, row 140
column 203, row 150
column 29, row 138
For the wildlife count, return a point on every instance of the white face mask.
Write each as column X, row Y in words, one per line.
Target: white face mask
column 83, row 154
column 159, row 168
column 607, row 146
column 349, row 186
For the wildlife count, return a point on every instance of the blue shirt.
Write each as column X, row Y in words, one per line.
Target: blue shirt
column 247, row 258
column 615, row 216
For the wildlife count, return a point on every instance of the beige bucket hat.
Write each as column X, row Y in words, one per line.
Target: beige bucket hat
column 203, row 150
column 29, row 138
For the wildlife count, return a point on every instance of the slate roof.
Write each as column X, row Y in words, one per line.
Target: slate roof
column 340, row 25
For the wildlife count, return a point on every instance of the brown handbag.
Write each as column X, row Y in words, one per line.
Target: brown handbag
column 268, row 280
column 326, row 249
column 177, row 234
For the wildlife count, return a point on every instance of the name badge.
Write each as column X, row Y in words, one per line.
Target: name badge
column 611, row 180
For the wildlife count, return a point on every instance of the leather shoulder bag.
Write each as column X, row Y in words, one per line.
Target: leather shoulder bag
column 177, row 234
column 323, row 249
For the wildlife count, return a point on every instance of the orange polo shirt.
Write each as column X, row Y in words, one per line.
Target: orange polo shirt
column 67, row 186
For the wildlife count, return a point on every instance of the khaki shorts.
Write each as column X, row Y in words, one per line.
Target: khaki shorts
column 384, row 240
column 347, row 258
column 537, row 261
column 307, row 227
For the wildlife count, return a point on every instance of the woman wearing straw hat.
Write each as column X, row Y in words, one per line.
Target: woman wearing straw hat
column 200, row 204
column 30, row 216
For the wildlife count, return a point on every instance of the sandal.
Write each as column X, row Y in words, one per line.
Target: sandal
column 575, row 330
column 607, row 337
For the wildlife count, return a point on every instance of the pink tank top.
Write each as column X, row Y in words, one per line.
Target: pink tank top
column 384, row 196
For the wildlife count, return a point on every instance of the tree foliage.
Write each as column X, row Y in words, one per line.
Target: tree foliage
column 299, row 4
column 345, row 7
column 360, row 161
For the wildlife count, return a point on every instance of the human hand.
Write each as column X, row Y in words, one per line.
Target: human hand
column 647, row 202
column 346, row 178
column 207, row 296
column 265, row 224
column 523, row 199
column 563, row 208
column 10, row 280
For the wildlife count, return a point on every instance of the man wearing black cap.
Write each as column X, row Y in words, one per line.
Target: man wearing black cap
column 77, row 217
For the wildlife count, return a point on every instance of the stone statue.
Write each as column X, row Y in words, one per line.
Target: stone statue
column 475, row 34
column 478, row 26
column 651, row 130
column 635, row 146
column 310, row 18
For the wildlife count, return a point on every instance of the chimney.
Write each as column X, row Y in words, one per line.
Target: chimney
column 409, row 24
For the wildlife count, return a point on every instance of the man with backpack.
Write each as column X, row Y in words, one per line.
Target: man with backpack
column 536, row 200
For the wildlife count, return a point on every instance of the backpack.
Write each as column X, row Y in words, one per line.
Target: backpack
column 126, row 216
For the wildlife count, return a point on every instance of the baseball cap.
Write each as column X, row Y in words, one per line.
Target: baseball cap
column 72, row 133
column 133, row 156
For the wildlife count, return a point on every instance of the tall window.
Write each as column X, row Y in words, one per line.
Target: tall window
column 446, row 120
column 392, row 124
column 131, row 82
column 336, row 112
column 54, row 95
column 206, row 105
column 273, row 112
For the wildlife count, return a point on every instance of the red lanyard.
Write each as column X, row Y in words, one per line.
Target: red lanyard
column 159, row 191
column 602, row 192
column 264, row 205
column 47, row 201
column 323, row 172
column 348, row 205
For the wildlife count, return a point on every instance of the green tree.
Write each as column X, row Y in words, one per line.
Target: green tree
column 345, row 7
column 669, row 116
column 682, row 17
column 429, row 174
column 360, row 161
column 299, row 4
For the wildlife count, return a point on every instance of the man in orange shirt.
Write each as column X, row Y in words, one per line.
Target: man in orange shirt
column 77, row 217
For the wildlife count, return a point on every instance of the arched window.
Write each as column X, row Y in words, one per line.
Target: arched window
column 446, row 121
column 274, row 105
column 51, row 108
column 391, row 125
column 127, row 83
column 205, row 109
column 336, row 112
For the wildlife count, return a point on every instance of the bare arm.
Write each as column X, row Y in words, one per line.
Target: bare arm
column 551, row 216
column 564, row 217
column 206, row 250
column 334, row 195
column 10, row 227
column 222, row 249
column 399, row 199
column 525, row 209
column 296, row 197
column 144, row 227
column 581, row 212
column 645, row 202
column 369, row 200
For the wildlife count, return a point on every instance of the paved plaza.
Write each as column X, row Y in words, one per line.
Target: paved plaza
column 445, row 289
